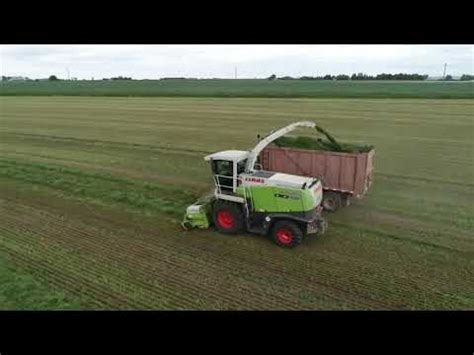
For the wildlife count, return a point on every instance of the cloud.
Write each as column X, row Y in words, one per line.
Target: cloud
column 155, row 61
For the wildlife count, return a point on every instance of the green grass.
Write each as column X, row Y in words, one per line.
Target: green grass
column 243, row 88
column 21, row 291
column 73, row 167
column 302, row 142
column 146, row 196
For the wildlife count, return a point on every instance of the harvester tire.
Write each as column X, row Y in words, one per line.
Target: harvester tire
column 332, row 201
column 287, row 234
column 228, row 217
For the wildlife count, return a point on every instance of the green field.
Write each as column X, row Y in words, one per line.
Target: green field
column 92, row 190
column 245, row 88
column 21, row 291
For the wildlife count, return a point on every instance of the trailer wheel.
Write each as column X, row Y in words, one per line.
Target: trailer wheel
column 332, row 201
column 287, row 234
column 228, row 217
column 346, row 200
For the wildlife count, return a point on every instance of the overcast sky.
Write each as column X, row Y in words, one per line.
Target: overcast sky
column 252, row 61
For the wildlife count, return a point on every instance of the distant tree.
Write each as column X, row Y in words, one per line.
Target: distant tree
column 400, row 76
column 122, row 78
column 53, row 78
column 384, row 76
column 448, row 78
column 361, row 76
column 4, row 78
column 342, row 77
column 272, row 77
column 466, row 77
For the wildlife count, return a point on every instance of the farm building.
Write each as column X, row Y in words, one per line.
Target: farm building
column 18, row 78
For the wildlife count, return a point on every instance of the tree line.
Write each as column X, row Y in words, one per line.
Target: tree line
column 362, row 76
column 358, row 76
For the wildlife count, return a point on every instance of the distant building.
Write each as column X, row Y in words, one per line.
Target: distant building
column 18, row 78
column 437, row 78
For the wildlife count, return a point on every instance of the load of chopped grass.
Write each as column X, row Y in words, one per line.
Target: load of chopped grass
column 328, row 144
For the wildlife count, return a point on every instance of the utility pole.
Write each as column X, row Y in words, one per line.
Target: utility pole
column 235, row 72
column 67, row 70
column 444, row 72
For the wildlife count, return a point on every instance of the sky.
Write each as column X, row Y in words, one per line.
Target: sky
column 223, row 61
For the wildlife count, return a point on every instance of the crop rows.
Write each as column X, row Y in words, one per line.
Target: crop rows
column 92, row 243
column 158, row 269
column 92, row 191
column 168, row 252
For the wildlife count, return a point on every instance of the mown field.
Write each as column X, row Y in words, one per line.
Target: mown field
column 20, row 290
column 244, row 88
column 92, row 190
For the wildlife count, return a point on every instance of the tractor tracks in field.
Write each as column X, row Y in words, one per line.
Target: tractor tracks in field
column 161, row 263
column 108, row 144
column 239, row 258
column 107, row 276
column 431, row 180
column 109, row 265
column 129, row 253
column 147, row 260
column 164, row 270
column 104, row 188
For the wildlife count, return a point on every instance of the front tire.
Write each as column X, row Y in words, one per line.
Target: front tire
column 228, row 217
column 287, row 234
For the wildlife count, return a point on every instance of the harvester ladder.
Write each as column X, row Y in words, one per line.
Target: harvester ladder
column 247, row 196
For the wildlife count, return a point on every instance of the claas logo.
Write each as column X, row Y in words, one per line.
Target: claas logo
column 253, row 179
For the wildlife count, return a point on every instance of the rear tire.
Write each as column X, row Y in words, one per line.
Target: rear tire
column 228, row 217
column 287, row 234
column 332, row 201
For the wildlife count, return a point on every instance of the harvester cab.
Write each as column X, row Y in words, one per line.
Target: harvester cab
column 286, row 207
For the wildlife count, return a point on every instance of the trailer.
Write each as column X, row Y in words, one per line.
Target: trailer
column 344, row 175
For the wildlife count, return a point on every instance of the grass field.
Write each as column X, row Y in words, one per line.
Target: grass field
column 92, row 190
column 244, row 88
column 20, row 291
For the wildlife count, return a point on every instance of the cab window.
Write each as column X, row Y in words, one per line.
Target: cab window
column 222, row 167
column 241, row 166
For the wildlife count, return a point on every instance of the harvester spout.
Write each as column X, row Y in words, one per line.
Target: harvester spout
column 270, row 138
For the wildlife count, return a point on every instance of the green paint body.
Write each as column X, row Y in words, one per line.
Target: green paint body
column 198, row 219
column 278, row 199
